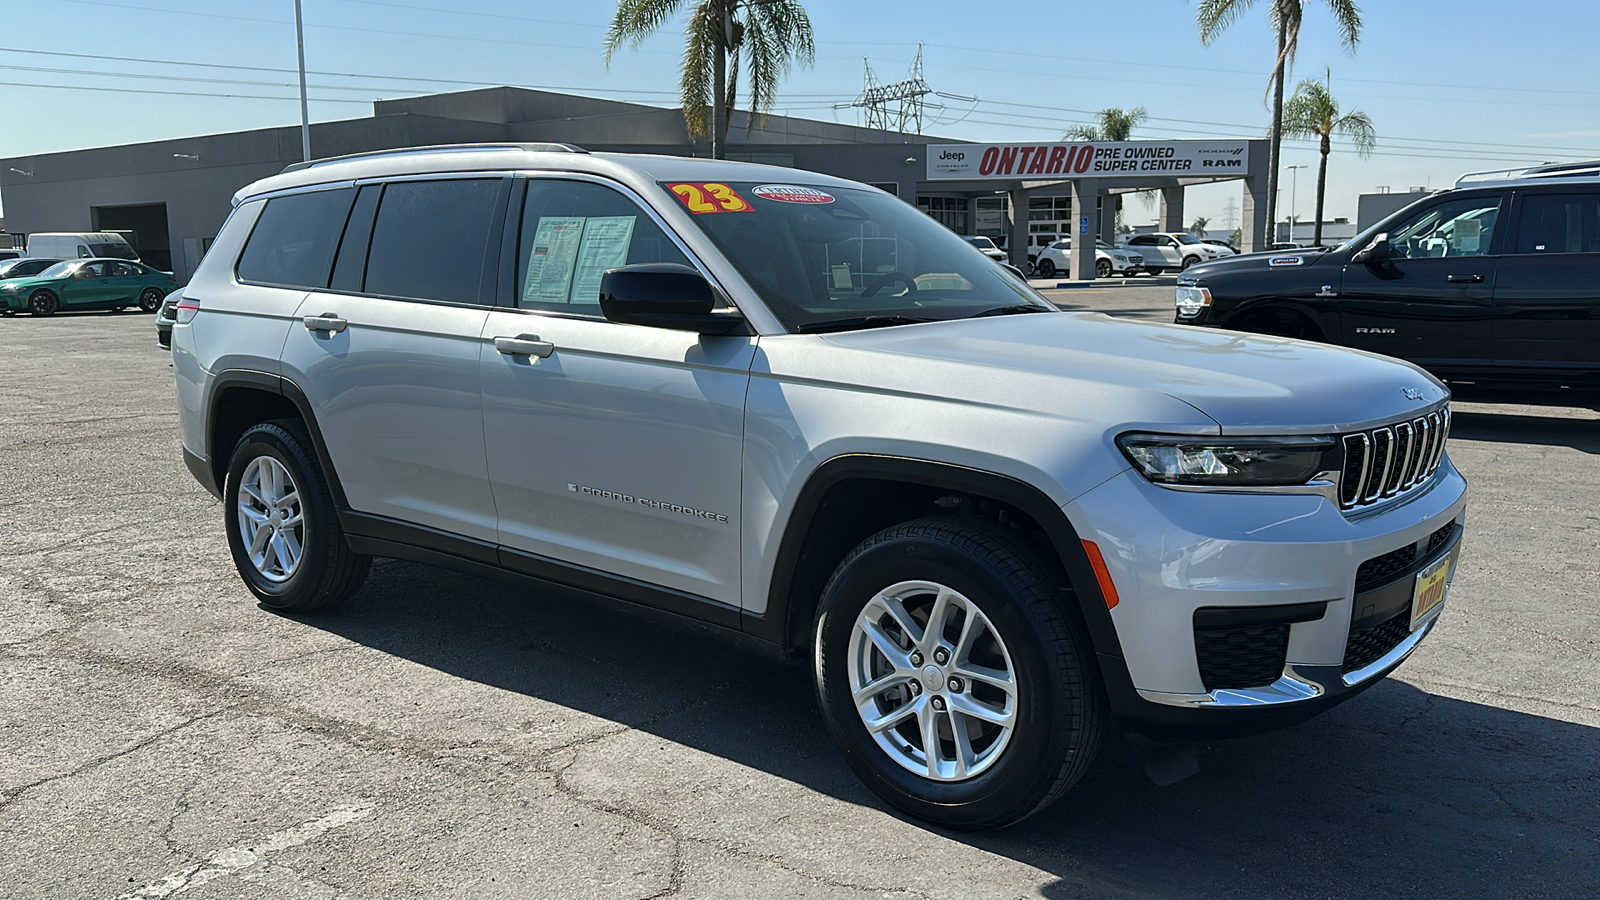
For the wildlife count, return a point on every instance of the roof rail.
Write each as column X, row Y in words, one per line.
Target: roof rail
column 1583, row 169
column 437, row 148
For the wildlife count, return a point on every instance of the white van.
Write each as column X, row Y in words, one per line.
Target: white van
column 81, row 245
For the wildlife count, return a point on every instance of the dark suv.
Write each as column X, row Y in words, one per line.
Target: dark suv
column 1496, row 282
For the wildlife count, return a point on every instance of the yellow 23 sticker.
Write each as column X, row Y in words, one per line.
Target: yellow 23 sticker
column 710, row 197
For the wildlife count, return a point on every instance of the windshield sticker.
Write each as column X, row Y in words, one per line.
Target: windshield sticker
column 1285, row 261
column 555, row 249
column 789, row 193
column 710, row 197
column 605, row 245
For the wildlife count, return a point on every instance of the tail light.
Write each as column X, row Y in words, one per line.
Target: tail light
column 187, row 307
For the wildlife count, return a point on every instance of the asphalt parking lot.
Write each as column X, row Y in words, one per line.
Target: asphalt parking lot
column 162, row 735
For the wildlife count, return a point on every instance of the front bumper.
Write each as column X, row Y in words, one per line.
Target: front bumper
column 13, row 301
column 1284, row 569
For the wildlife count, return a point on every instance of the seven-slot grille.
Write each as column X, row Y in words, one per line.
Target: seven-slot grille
column 1381, row 463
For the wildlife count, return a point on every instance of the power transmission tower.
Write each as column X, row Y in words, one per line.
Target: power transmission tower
column 897, row 106
column 1230, row 214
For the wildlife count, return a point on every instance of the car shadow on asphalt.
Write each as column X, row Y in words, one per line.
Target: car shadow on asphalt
column 1554, row 430
column 1397, row 792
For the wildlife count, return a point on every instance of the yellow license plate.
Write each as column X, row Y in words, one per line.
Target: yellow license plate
column 1432, row 583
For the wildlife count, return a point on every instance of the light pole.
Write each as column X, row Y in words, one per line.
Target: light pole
column 305, row 115
column 1294, row 197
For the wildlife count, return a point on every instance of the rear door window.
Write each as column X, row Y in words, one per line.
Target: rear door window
column 431, row 239
column 1559, row 223
column 293, row 240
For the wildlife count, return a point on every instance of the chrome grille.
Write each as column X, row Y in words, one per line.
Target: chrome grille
column 1385, row 462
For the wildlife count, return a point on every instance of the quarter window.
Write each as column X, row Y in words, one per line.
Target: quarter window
column 431, row 238
column 293, row 240
column 1559, row 223
column 1462, row 227
column 571, row 233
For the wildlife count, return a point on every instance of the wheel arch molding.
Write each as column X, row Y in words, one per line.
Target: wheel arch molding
column 240, row 398
column 810, row 548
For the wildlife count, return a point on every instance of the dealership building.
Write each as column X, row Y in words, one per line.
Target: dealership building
column 171, row 197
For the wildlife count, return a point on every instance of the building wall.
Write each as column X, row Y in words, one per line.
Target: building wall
column 1373, row 208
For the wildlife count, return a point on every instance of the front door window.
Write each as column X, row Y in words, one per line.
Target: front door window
column 1454, row 228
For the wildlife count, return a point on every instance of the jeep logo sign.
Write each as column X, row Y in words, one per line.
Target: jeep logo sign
column 1096, row 159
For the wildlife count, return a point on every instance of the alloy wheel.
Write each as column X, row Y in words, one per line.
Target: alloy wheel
column 932, row 681
column 271, row 519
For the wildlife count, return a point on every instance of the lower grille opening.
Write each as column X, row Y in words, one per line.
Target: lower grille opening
column 1367, row 645
column 1241, row 657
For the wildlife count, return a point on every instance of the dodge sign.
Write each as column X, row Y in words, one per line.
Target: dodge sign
column 1089, row 159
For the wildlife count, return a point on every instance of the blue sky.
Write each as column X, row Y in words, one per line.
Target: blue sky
column 1451, row 86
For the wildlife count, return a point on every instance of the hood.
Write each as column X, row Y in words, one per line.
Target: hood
column 1288, row 261
column 1246, row 383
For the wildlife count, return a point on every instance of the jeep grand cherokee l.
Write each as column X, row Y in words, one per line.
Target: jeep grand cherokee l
column 796, row 410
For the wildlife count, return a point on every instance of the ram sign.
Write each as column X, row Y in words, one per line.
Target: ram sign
column 1088, row 159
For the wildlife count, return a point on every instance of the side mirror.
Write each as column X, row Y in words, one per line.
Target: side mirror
column 1377, row 251
column 663, row 295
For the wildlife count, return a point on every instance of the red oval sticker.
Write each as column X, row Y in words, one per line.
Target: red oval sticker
column 789, row 193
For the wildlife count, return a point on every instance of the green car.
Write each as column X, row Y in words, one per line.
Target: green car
column 87, row 284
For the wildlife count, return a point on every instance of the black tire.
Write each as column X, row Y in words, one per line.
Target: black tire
column 1047, row 268
column 1190, row 260
column 1154, row 270
column 1059, row 706
column 43, row 303
column 328, row 571
column 150, row 299
column 1102, row 268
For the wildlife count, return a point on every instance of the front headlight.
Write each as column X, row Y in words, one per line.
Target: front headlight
column 1192, row 298
column 1223, row 462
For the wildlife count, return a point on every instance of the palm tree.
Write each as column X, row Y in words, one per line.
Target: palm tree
column 1198, row 226
column 1214, row 16
column 1312, row 112
column 1113, row 124
column 771, row 33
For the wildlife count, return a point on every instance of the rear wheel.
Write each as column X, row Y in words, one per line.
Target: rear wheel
column 1047, row 268
column 150, row 300
column 281, row 524
column 1154, row 270
column 951, row 677
column 43, row 303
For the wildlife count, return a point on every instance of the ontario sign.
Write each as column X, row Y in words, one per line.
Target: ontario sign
column 1087, row 159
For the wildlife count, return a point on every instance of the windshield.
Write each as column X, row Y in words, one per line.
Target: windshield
column 58, row 270
column 109, row 250
column 982, row 243
column 846, row 256
column 1186, row 239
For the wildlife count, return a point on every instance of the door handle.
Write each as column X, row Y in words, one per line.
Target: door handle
column 1464, row 279
column 328, row 322
column 524, row 345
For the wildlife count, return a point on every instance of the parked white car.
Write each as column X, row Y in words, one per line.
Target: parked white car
column 985, row 246
column 1108, row 260
column 1172, row 250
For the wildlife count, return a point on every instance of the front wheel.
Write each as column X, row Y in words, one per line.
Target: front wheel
column 150, row 300
column 951, row 676
column 1102, row 268
column 1047, row 268
column 1190, row 260
column 281, row 523
column 43, row 303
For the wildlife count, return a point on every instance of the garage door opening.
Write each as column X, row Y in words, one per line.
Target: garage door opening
column 145, row 227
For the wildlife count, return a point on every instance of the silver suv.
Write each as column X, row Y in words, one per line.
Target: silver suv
column 793, row 408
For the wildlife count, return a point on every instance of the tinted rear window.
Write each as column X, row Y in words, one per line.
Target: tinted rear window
column 293, row 241
column 430, row 239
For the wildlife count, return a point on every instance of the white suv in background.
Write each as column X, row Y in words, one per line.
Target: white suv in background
column 795, row 411
column 1108, row 260
column 1172, row 250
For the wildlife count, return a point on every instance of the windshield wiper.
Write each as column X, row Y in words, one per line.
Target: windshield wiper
column 1012, row 310
column 876, row 321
